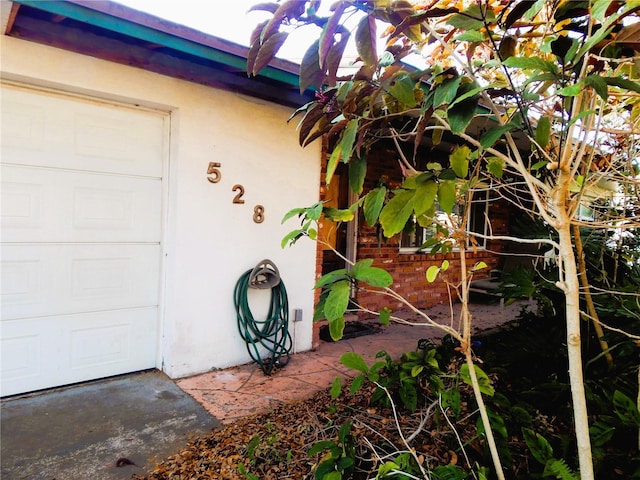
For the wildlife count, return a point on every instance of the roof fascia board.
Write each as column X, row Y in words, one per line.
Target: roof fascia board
column 109, row 22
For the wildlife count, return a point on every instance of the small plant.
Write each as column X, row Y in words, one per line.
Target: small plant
column 402, row 467
column 243, row 471
column 263, row 449
column 543, row 452
column 338, row 462
column 416, row 373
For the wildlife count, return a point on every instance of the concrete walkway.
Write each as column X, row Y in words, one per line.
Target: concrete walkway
column 80, row 432
column 236, row 392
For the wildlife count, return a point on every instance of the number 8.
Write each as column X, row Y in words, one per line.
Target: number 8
column 258, row 214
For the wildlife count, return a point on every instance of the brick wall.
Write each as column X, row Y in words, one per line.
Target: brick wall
column 409, row 269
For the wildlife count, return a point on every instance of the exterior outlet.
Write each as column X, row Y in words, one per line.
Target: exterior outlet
column 297, row 314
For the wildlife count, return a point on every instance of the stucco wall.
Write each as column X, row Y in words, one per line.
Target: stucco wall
column 208, row 240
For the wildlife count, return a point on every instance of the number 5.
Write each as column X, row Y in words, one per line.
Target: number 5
column 213, row 169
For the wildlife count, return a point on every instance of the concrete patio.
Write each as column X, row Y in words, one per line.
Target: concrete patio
column 236, row 392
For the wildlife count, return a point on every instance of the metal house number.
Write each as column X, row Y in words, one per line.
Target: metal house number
column 214, row 176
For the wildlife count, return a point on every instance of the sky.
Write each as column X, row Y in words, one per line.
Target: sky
column 228, row 19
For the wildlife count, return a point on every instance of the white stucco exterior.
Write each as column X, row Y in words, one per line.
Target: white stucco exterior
column 208, row 241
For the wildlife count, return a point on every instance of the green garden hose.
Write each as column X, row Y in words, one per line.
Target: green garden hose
column 272, row 333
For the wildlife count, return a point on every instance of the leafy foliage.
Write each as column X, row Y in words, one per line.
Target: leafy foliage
column 538, row 97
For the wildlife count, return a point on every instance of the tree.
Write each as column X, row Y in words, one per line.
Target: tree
column 541, row 98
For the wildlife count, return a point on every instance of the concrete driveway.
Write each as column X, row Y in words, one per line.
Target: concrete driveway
column 81, row 432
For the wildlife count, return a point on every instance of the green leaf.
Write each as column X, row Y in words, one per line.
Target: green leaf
column 495, row 166
column 601, row 433
column 336, row 328
column 409, row 396
column 402, row 89
column 446, row 91
column 360, row 264
column 374, row 276
column 425, row 196
column 366, row 40
column 459, row 161
column 342, row 150
column 395, row 215
column 599, row 9
column 331, row 277
column 356, row 384
column 492, row 135
column 599, row 85
column 539, row 165
column 320, row 446
column 445, row 265
column 333, row 162
column 597, row 36
column 373, row 203
column 472, row 18
column 623, row 83
column 354, row 361
column 626, row 409
column 337, row 302
column 571, row 90
column 432, row 273
column 543, row 131
column 357, row 172
column 580, row 116
column 292, row 213
column 336, row 388
column 338, row 214
column 384, row 315
column 447, row 195
column 539, row 447
column 530, row 63
column 479, row 266
column 291, row 237
column 348, row 138
column 470, row 36
column 483, row 380
column 344, row 432
column 386, row 468
column 463, row 109
column 416, row 370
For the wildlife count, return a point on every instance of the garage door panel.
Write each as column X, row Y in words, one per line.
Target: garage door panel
column 47, row 205
column 39, row 280
column 87, row 346
column 50, row 130
column 81, row 229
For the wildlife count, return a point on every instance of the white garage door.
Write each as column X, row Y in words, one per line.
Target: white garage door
column 81, row 213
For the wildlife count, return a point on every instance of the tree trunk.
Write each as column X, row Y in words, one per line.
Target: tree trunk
column 466, row 338
column 570, row 285
column 591, row 308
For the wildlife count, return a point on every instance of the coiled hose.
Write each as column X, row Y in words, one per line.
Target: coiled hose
column 271, row 333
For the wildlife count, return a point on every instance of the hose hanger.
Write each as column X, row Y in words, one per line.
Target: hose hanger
column 269, row 337
column 265, row 275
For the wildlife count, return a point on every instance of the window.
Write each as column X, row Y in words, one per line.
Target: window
column 415, row 235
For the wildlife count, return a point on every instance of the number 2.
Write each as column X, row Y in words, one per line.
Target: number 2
column 240, row 189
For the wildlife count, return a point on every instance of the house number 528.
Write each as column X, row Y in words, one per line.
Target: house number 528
column 214, row 176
